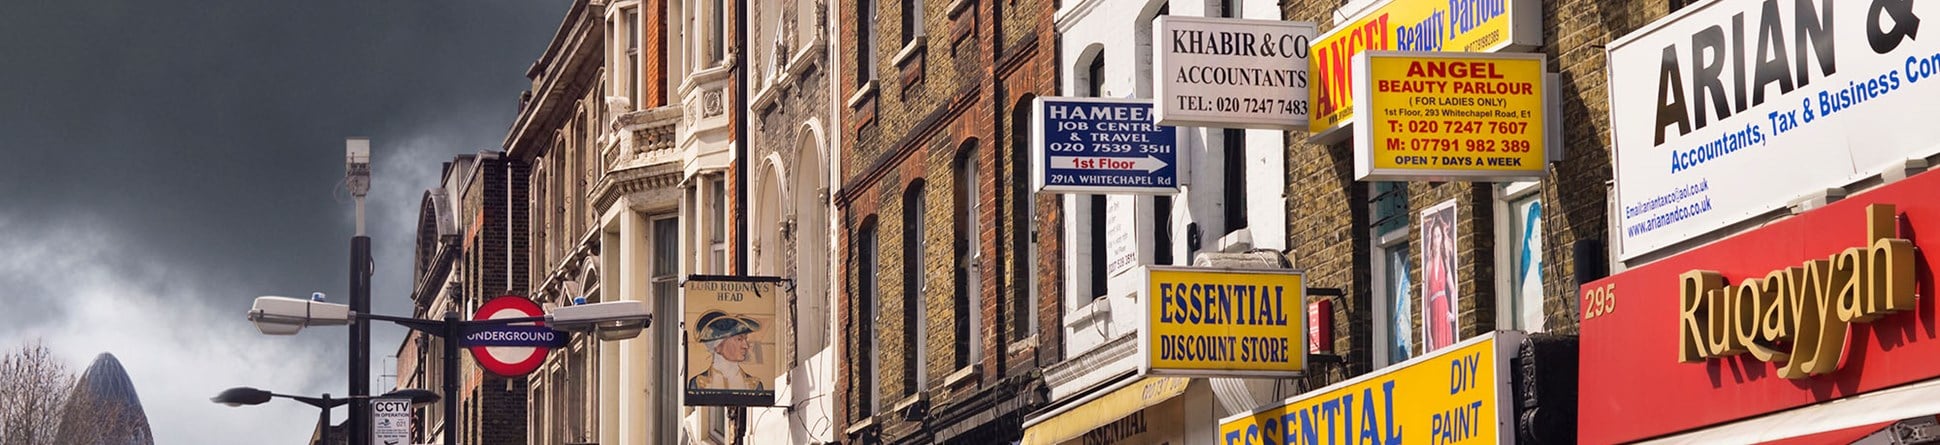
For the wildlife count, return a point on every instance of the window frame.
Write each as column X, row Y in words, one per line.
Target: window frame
column 868, row 37
column 1382, row 244
column 869, row 297
column 915, row 290
column 1233, row 202
column 1025, row 322
column 968, row 298
column 1508, row 198
column 912, row 22
column 630, row 19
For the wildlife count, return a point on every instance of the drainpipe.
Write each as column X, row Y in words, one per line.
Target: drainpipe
column 744, row 148
column 741, row 133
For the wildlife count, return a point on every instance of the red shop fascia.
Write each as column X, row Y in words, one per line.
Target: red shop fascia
column 1649, row 369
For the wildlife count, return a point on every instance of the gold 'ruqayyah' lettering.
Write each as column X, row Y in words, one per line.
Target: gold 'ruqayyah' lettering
column 1798, row 315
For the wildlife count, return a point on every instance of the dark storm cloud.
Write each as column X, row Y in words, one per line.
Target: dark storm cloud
column 192, row 150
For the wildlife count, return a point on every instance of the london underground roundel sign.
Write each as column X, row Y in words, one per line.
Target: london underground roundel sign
column 511, row 350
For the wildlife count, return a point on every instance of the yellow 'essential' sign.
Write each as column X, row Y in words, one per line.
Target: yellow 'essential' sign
column 1220, row 322
column 1449, row 115
column 1454, row 396
column 1411, row 25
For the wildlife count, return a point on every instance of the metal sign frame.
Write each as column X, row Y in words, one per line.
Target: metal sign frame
column 1363, row 129
column 1040, row 155
column 1297, row 346
column 1165, row 95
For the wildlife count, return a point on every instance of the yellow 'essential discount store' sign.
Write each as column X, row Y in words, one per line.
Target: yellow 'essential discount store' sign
column 1224, row 322
column 1435, row 116
column 1411, row 25
column 1456, row 396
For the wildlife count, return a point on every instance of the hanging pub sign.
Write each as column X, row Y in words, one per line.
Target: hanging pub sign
column 1814, row 94
column 1102, row 146
column 1474, row 26
column 732, row 352
column 1458, row 395
column 1231, row 73
column 1822, row 306
column 1203, row 322
column 1441, row 116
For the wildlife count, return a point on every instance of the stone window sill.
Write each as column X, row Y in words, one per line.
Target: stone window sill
column 862, row 95
column 909, row 52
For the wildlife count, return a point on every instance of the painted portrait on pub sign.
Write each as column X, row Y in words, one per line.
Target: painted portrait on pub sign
column 730, row 340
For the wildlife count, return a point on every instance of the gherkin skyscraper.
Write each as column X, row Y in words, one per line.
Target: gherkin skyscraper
column 103, row 408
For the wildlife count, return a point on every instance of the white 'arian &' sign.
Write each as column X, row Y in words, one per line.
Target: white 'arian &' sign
column 1732, row 109
column 1231, row 73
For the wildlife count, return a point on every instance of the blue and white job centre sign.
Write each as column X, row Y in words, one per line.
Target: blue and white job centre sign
column 1729, row 110
column 1105, row 146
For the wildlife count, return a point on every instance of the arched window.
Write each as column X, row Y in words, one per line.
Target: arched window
column 1024, row 245
column 1142, row 57
column 969, row 289
column 1094, row 223
column 1095, row 76
column 868, row 377
column 914, row 306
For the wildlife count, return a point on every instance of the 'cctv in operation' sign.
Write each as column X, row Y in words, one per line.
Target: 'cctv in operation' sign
column 1097, row 145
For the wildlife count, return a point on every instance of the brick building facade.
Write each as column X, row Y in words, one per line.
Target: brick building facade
column 471, row 235
column 1336, row 234
column 887, row 166
column 938, row 314
column 791, row 142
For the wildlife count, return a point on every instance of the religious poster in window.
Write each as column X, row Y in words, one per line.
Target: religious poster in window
column 1400, row 297
column 732, row 354
column 1440, row 295
column 1527, row 305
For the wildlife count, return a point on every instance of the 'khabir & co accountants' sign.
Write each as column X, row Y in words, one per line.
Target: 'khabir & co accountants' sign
column 1224, row 322
column 1456, row 395
column 1436, row 116
column 1411, row 25
column 1231, row 73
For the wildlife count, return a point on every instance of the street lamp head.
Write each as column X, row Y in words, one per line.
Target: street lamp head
column 240, row 396
column 357, row 165
column 286, row 316
column 612, row 320
column 419, row 397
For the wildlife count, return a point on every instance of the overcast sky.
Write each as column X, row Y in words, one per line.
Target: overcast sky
column 162, row 163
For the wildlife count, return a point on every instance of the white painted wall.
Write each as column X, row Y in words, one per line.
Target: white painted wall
column 1100, row 27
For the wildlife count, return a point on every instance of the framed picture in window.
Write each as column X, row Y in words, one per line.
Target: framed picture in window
column 1441, row 294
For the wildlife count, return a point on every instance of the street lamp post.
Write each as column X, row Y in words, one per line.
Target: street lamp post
column 613, row 320
column 357, row 178
column 244, row 395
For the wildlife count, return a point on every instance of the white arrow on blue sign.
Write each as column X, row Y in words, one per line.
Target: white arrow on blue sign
column 1102, row 146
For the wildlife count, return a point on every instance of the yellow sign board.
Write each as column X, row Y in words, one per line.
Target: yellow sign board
column 1411, row 25
column 1458, row 395
column 1222, row 322
column 1436, row 116
column 1120, row 416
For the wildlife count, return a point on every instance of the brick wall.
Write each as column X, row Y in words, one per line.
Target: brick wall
column 496, row 201
column 1329, row 231
column 955, row 92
